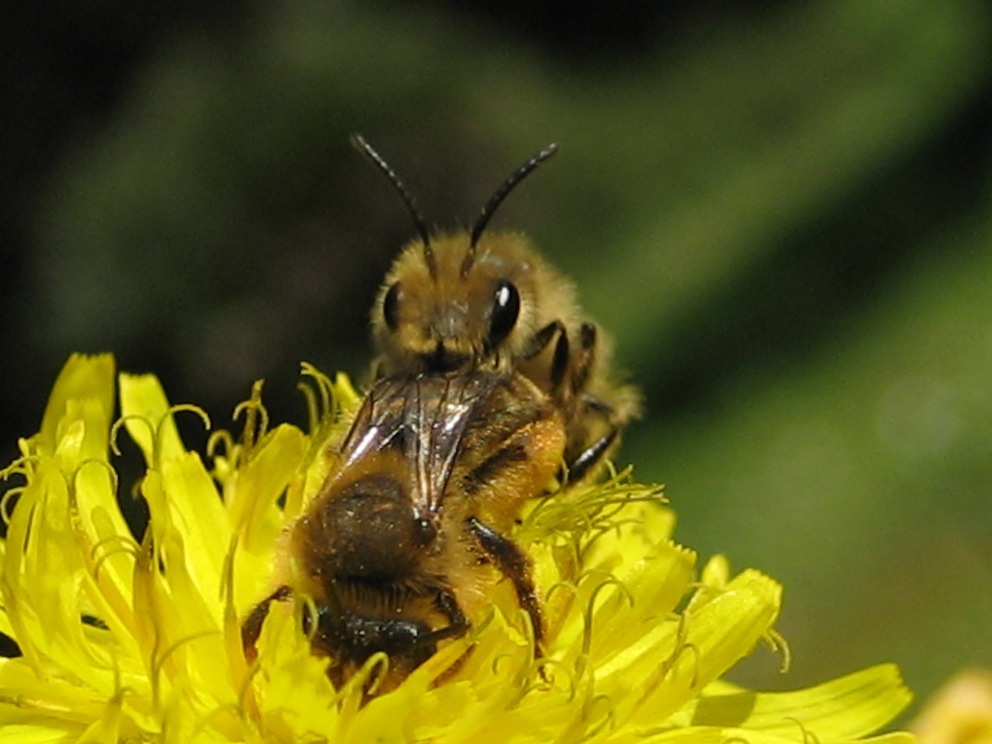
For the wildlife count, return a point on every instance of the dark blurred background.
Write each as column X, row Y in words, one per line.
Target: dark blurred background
column 781, row 210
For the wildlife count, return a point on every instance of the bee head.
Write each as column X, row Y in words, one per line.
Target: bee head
column 461, row 314
column 452, row 302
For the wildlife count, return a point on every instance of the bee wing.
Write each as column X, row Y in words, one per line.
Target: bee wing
column 378, row 424
column 426, row 417
column 439, row 412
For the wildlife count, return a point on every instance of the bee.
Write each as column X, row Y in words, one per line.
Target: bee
column 403, row 544
column 481, row 300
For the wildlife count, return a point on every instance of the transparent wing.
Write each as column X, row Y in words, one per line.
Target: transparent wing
column 427, row 418
column 440, row 413
column 377, row 424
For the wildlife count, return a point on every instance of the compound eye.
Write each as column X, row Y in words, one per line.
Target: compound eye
column 506, row 308
column 391, row 307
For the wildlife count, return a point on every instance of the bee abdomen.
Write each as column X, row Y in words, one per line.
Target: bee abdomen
column 353, row 638
column 367, row 532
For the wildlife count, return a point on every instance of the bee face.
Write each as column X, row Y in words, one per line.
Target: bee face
column 458, row 307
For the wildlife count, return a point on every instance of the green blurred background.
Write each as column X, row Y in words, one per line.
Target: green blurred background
column 781, row 211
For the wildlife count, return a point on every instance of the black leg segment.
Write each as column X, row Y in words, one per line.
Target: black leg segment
column 515, row 565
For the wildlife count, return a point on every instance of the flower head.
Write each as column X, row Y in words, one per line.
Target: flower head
column 139, row 639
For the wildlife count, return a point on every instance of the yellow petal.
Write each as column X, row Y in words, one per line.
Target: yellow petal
column 666, row 667
column 844, row 708
column 44, row 588
column 252, row 496
column 960, row 712
column 718, row 735
column 296, row 696
column 40, row 734
column 50, row 702
column 196, row 512
column 148, row 417
column 180, row 493
column 82, row 378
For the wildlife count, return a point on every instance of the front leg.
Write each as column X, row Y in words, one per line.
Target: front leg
column 585, row 358
column 590, row 458
column 251, row 628
column 457, row 622
column 515, row 565
column 560, row 359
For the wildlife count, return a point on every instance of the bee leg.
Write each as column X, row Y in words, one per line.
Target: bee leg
column 580, row 465
column 592, row 454
column 560, row 361
column 514, row 564
column 457, row 622
column 251, row 628
column 585, row 357
column 590, row 457
column 567, row 366
column 540, row 340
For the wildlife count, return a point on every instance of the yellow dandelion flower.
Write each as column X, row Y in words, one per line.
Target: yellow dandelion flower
column 960, row 712
column 126, row 639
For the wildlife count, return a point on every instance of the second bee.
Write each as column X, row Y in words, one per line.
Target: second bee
column 401, row 548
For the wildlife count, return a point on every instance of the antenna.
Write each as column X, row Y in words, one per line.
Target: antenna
column 358, row 141
column 501, row 193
